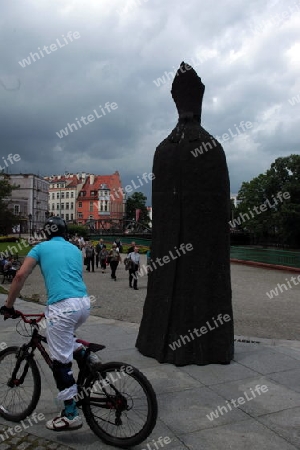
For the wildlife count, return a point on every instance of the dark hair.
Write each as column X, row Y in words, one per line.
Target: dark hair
column 55, row 227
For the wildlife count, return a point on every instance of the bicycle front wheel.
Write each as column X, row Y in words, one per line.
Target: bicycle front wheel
column 120, row 404
column 20, row 385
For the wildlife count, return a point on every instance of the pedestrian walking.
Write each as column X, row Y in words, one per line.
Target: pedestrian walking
column 103, row 258
column 98, row 249
column 131, row 249
column 90, row 256
column 133, row 277
column 114, row 259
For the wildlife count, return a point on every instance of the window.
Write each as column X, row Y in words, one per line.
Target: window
column 72, row 216
column 67, row 216
column 57, row 205
column 62, row 206
column 53, row 206
column 67, row 205
column 72, row 194
column 79, row 204
column 80, row 216
column 72, row 205
column 82, row 194
column 57, row 194
column 53, row 196
column 104, row 205
column 91, row 206
column 67, row 194
column 62, row 216
column 62, row 195
column 16, row 209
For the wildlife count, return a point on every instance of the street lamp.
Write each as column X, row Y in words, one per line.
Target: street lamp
column 30, row 220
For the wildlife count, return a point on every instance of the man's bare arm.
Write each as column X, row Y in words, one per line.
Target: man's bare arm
column 19, row 280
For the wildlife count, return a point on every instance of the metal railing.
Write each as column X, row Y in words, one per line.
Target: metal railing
column 268, row 256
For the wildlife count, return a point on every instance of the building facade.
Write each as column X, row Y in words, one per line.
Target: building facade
column 29, row 200
column 96, row 201
column 101, row 202
column 63, row 192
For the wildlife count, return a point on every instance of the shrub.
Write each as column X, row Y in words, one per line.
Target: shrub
column 9, row 239
column 81, row 231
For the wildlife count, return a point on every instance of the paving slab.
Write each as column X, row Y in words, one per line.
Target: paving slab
column 284, row 423
column 186, row 395
column 245, row 435
column 266, row 360
column 275, row 397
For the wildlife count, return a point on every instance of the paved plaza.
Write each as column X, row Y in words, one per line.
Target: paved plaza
column 198, row 407
column 255, row 314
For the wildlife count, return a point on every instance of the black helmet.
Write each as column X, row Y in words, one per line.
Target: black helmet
column 55, row 226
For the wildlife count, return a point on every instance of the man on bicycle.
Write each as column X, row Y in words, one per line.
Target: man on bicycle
column 68, row 306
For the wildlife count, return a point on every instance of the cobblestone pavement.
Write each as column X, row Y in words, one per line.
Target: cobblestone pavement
column 255, row 314
column 25, row 441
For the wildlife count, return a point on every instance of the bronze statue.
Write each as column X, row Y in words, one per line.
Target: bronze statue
column 187, row 317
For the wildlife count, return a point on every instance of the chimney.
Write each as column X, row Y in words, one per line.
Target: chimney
column 83, row 175
column 92, row 178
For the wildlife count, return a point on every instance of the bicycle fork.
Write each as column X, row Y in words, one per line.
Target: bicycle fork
column 22, row 355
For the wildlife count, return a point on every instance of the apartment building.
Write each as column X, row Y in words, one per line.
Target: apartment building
column 63, row 192
column 29, row 200
column 101, row 203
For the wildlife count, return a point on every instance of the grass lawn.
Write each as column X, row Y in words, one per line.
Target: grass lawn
column 3, row 291
column 14, row 248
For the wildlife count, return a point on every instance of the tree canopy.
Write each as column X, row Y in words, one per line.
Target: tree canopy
column 7, row 218
column 137, row 201
column 270, row 203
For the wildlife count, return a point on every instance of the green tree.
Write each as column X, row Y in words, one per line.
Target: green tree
column 270, row 203
column 80, row 230
column 134, row 202
column 7, row 218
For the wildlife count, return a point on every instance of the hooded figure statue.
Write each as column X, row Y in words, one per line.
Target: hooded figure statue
column 187, row 316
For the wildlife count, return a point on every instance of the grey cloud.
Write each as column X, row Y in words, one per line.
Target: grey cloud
column 116, row 59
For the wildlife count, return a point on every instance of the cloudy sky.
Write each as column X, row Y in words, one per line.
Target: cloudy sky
column 125, row 53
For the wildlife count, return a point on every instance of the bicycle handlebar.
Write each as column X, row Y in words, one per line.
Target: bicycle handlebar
column 25, row 317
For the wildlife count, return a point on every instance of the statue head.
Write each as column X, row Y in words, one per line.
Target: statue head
column 187, row 92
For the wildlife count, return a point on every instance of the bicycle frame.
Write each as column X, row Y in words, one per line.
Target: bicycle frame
column 36, row 343
column 131, row 408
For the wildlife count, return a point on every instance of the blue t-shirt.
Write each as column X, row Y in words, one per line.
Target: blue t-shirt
column 61, row 266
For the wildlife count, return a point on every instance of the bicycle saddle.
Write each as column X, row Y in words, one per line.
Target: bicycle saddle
column 92, row 346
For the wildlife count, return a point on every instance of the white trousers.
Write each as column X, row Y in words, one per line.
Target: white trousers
column 63, row 318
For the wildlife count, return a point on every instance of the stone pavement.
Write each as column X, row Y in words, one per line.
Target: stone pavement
column 251, row 404
column 255, row 314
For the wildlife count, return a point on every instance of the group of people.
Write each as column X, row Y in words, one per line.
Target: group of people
column 8, row 267
column 100, row 255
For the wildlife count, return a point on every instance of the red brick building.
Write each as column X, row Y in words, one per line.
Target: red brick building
column 100, row 203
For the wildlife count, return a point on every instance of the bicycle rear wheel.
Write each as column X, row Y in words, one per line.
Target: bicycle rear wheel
column 120, row 404
column 19, row 394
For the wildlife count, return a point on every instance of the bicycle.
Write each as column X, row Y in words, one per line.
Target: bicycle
column 120, row 413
